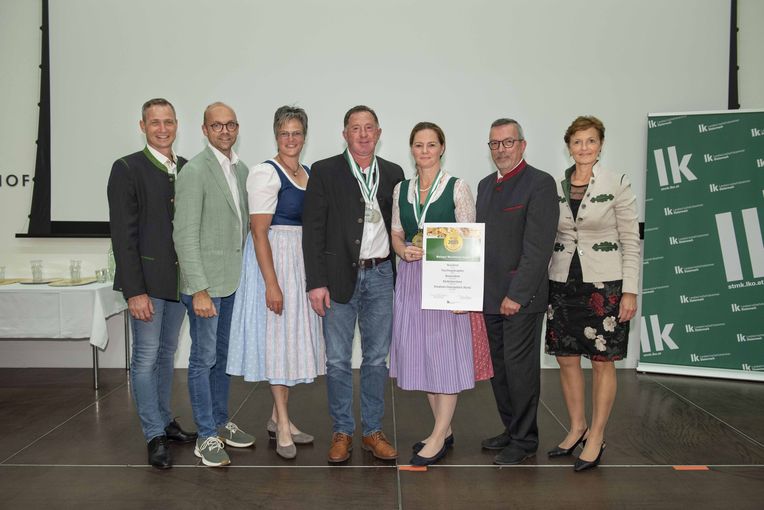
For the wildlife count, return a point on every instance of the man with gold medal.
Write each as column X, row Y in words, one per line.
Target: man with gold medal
column 346, row 248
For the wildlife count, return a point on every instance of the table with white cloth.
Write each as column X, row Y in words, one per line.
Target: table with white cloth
column 42, row 311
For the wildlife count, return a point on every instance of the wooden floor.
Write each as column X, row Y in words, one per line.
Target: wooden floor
column 64, row 445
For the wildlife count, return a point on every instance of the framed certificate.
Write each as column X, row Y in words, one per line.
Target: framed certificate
column 452, row 266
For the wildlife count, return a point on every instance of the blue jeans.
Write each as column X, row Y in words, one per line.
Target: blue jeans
column 207, row 380
column 151, row 366
column 372, row 306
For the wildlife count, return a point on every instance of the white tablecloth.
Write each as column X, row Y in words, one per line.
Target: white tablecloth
column 41, row 311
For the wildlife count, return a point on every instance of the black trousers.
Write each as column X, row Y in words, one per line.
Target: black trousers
column 515, row 352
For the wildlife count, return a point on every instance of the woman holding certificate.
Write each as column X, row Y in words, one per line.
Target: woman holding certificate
column 275, row 336
column 594, row 278
column 431, row 349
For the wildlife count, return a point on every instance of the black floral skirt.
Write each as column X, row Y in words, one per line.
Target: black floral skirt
column 582, row 320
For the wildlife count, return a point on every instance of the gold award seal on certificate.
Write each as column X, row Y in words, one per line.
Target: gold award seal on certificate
column 418, row 238
column 453, row 241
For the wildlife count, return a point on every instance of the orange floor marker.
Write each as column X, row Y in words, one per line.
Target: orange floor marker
column 412, row 468
column 691, row 468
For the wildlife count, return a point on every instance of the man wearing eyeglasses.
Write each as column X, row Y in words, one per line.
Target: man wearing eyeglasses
column 211, row 222
column 140, row 192
column 519, row 207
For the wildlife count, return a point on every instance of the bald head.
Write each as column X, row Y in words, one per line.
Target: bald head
column 221, row 127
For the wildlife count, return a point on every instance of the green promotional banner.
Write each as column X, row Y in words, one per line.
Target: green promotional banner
column 703, row 266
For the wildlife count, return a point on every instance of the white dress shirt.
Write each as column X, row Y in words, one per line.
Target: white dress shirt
column 230, row 175
column 170, row 163
column 375, row 243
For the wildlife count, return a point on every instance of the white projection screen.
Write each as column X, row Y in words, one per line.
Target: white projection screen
column 461, row 64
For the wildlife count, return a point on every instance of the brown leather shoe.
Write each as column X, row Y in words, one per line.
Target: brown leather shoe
column 379, row 446
column 342, row 444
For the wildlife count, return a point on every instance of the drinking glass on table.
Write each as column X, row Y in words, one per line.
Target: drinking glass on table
column 75, row 270
column 36, row 270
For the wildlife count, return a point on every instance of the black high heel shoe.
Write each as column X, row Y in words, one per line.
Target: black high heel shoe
column 583, row 465
column 418, row 460
column 564, row 452
column 449, row 443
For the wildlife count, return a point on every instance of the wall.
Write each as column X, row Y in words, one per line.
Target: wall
column 19, row 93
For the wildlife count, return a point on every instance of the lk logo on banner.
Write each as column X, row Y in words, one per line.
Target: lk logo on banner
column 703, row 268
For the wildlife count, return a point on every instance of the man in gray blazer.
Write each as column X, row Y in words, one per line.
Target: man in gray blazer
column 210, row 223
column 520, row 210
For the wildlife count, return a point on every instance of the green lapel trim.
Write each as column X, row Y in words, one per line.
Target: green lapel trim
column 154, row 160
column 566, row 183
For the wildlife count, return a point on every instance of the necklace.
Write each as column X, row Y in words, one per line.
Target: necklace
column 293, row 172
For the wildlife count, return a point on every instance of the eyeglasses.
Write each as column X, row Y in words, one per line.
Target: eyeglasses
column 291, row 134
column 229, row 126
column 507, row 143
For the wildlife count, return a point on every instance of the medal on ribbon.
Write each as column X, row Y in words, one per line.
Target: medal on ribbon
column 420, row 210
column 368, row 184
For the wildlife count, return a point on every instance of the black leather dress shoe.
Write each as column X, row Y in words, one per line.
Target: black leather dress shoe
column 558, row 451
column 512, row 455
column 159, row 453
column 497, row 442
column 583, row 465
column 418, row 460
column 449, row 442
column 177, row 434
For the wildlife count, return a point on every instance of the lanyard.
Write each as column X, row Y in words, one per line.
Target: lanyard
column 368, row 183
column 420, row 212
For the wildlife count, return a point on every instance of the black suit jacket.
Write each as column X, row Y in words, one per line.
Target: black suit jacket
column 141, row 208
column 520, row 216
column 332, row 223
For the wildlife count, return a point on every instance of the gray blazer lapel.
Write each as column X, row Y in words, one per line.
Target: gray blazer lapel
column 219, row 178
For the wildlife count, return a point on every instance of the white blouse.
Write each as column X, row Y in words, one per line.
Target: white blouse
column 263, row 186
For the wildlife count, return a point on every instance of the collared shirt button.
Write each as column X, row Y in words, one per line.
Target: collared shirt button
column 575, row 229
column 354, row 264
column 583, row 206
column 580, row 252
column 360, row 220
column 575, row 241
column 357, row 241
column 172, row 200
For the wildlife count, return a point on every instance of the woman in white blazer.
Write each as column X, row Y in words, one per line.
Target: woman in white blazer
column 594, row 274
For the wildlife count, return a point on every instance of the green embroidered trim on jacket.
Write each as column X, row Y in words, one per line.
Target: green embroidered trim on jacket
column 605, row 197
column 605, row 246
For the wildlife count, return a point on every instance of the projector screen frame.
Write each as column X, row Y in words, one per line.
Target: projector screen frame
column 40, row 224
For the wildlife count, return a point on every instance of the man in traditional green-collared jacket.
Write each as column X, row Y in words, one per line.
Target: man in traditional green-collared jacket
column 141, row 194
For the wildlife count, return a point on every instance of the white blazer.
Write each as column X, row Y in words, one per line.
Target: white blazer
column 605, row 232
